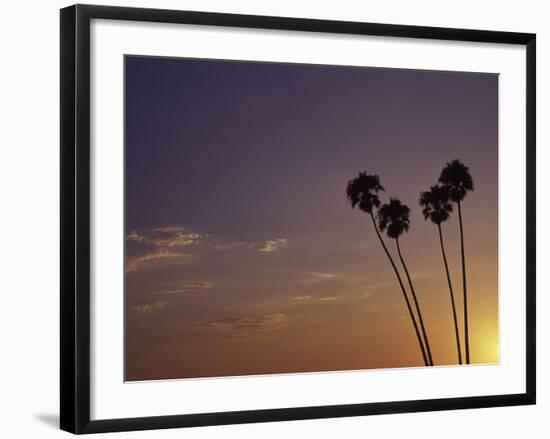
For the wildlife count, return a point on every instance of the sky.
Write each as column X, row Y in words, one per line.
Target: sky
column 243, row 256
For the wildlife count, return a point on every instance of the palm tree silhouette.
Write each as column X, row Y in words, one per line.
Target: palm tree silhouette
column 436, row 206
column 456, row 178
column 362, row 192
column 394, row 219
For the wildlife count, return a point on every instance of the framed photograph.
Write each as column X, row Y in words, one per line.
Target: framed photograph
column 267, row 219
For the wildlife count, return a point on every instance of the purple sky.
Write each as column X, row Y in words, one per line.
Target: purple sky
column 240, row 239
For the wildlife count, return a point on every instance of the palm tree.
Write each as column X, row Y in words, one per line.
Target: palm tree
column 437, row 207
column 362, row 192
column 456, row 178
column 394, row 219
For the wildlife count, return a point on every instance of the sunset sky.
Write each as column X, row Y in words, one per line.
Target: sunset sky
column 243, row 255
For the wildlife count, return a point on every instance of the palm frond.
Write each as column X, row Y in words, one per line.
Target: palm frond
column 362, row 190
column 456, row 177
column 393, row 218
column 436, row 204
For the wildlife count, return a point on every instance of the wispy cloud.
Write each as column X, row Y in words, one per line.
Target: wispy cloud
column 172, row 245
column 322, row 276
column 170, row 237
column 309, row 298
column 155, row 257
column 248, row 326
column 166, row 237
column 378, row 285
column 232, row 245
column 421, row 276
column 160, row 246
column 314, row 277
column 272, row 245
column 150, row 307
column 186, row 286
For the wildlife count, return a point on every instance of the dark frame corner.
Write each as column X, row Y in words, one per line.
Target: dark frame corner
column 75, row 217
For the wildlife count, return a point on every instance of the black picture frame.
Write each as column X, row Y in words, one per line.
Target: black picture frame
column 75, row 218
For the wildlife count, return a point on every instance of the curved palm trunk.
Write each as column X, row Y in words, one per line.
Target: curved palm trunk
column 452, row 294
column 466, row 337
column 411, row 314
column 428, row 350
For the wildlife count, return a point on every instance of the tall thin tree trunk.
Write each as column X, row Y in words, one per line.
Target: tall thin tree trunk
column 411, row 314
column 466, row 337
column 427, row 343
column 452, row 294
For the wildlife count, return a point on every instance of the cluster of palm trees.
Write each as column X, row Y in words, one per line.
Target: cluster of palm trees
column 393, row 218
